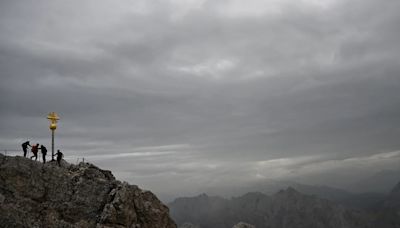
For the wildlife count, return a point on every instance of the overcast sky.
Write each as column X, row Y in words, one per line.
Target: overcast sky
column 177, row 95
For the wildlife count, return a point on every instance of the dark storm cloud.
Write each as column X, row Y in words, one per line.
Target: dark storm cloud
column 235, row 91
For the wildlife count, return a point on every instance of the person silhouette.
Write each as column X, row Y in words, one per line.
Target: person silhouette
column 59, row 157
column 25, row 147
column 35, row 150
column 43, row 149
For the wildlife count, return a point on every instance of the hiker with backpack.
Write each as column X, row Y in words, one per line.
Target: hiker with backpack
column 43, row 149
column 25, row 147
column 35, row 150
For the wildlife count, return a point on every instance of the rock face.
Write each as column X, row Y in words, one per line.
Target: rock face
column 286, row 209
column 37, row 195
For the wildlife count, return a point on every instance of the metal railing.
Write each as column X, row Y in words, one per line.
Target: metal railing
column 11, row 152
column 15, row 152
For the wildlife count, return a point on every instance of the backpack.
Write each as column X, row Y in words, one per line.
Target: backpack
column 34, row 149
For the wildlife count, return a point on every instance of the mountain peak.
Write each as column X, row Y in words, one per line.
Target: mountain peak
column 290, row 191
column 33, row 194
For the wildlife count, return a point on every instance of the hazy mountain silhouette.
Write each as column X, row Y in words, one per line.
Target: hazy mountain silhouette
column 363, row 200
column 291, row 209
column 287, row 208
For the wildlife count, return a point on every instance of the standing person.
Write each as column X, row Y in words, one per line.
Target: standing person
column 35, row 149
column 59, row 157
column 43, row 149
column 25, row 147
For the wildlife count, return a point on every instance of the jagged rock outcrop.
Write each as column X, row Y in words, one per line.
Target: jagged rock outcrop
column 286, row 209
column 243, row 225
column 37, row 195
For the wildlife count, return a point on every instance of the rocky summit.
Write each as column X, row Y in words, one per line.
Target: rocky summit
column 33, row 194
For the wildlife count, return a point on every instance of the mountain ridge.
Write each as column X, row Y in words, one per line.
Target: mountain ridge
column 286, row 208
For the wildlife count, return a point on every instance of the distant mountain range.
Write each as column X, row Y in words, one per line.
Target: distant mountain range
column 381, row 181
column 355, row 200
column 366, row 200
column 320, row 207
